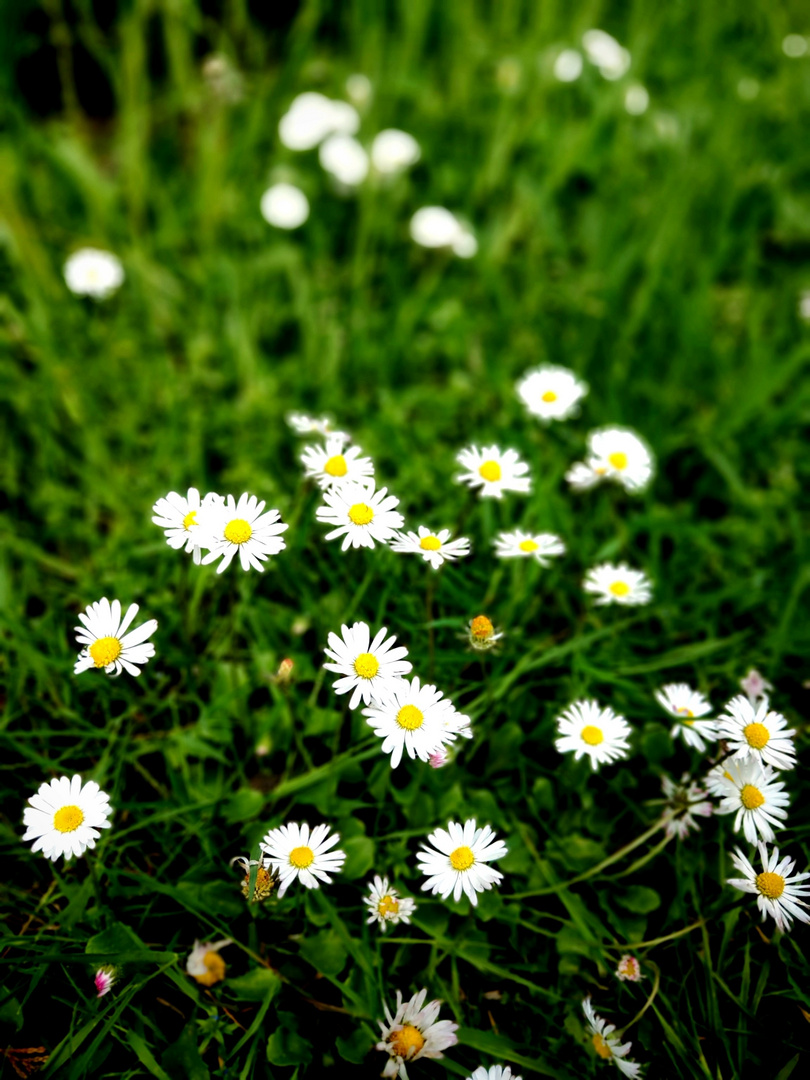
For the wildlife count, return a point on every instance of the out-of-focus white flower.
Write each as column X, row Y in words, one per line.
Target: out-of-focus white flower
column 636, row 99
column 437, row 227
column 568, row 65
column 754, row 686
column 393, row 150
column 314, row 425
column 359, row 89
column 606, row 53
column 804, row 305
column 618, row 584
column 493, row 471
column 617, row 454
column 794, row 46
column 91, row 272
column 495, row 1072
column 312, row 116
column 551, row 392
column 519, row 545
column 204, row 962
column 284, row 206
column 344, row 158
column 681, row 701
column 434, row 548
column 684, row 800
column 607, row 1045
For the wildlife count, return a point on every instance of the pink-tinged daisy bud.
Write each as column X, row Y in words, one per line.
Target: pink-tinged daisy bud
column 629, row 969
column 104, row 979
column 285, row 670
column 438, row 760
column 754, row 686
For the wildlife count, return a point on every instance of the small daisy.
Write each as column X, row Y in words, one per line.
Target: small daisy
column 393, row 151
column 90, row 272
column 606, row 1044
column 411, row 717
column 297, row 853
column 493, row 471
column 368, row 668
column 749, row 789
column 344, row 159
column 777, row 887
column 437, row 227
column 495, row 1072
column 332, row 464
column 266, row 878
column 435, row 548
column 586, row 728
column 314, row 425
column 618, row 584
column 177, row 516
column 551, row 392
column 754, row 686
column 581, row 477
column 413, row 1032
column 520, row 545
column 362, row 515
column 613, row 454
column 240, row 526
column 204, row 962
column 63, row 818
column 686, row 704
column 106, row 643
column 459, row 861
column 385, row 905
column 103, row 980
column 482, row 634
column 629, row 969
column 757, row 731
column 284, row 206
column 312, row 116
column 683, row 801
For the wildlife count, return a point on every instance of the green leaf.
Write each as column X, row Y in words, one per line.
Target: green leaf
column 360, row 852
column 639, row 899
column 325, row 952
column 245, row 805
column 656, row 743
column 257, row 985
column 497, row 1046
column 355, row 1046
column 786, row 1070
column 285, row 1046
column 11, row 1013
column 182, row 1059
column 118, row 938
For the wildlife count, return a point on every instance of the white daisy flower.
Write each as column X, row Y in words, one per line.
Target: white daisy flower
column 314, row 425
column 758, row 731
column 91, row 272
column 568, row 66
column 362, row 515
column 777, row 888
column 749, row 790
column 368, row 668
column 581, row 476
column 541, row 547
column 459, row 862
column 681, row 701
column 482, row 635
column 629, row 969
column 345, row 159
column 614, row 453
column 107, row 644
column 297, row 853
column 606, row 53
column 435, row 548
column 177, row 516
column 683, row 801
column 204, row 963
column 64, row 817
column 606, row 1044
column 618, row 584
column 588, row 729
column 494, row 1072
column 437, row 227
column 284, row 206
column 551, row 392
column 413, row 1032
column 411, row 717
column 393, row 151
column 331, row 465
column 230, row 527
column 492, row 470
column 311, row 117
column 386, row 905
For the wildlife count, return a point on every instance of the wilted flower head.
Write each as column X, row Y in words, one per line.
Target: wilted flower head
column 204, row 962
column 266, row 877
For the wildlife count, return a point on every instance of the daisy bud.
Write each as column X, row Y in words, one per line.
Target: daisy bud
column 629, row 969
column 754, row 686
column 482, row 635
column 104, row 979
column 438, row 760
column 285, row 670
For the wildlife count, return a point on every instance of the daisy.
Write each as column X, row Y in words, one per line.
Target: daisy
column 754, row 686
column 368, row 668
column 413, row 1032
column 686, row 704
column 90, row 272
column 586, row 728
column 177, row 516
column 64, row 817
column 386, row 905
column 459, row 861
column 345, row 159
column 629, row 969
column 297, row 853
column 748, row 789
column 314, row 425
column 312, row 116
column 520, row 545
column 411, row 717
column 361, row 514
column 204, row 962
column 495, row 1072
column 481, row 633
column 106, row 643
column 581, row 476
column 103, row 980
column 777, row 887
column 619, row 454
column 683, row 801
column 606, row 1044
column 606, row 53
column 393, row 151
column 228, row 527
column 757, row 731
column 618, row 584
column 331, row 465
column 493, row 471
column 551, row 392
column 285, row 206
column 266, row 877
column 437, row 227
column 435, row 548
column 568, row 66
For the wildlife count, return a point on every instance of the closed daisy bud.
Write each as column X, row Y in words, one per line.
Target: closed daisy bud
column 204, row 963
column 414, row 1032
column 481, row 633
column 103, row 980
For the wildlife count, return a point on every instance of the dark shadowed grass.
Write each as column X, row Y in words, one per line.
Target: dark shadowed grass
column 661, row 257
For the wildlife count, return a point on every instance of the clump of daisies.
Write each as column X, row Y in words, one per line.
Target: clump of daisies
column 64, row 817
column 385, row 906
column 616, row 454
column 414, row 1032
column 106, row 643
column 457, row 862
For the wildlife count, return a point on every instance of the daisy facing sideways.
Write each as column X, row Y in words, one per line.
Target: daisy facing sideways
column 177, row 516
column 686, row 704
column 297, row 853
column 229, row 527
column 776, row 888
column 412, row 717
column 64, row 817
column 613, row 454
column 361, row 515
column 457, row 862
column 757, row 731
column 520, row 545
column 314, row 425
column 414, row 1032
column 606, row 1044
column 493, row 471
column 590, row 730
column 368, row 668
column 757, row 798
column 204, row 964
column 683, row 801
column 334, row 463
column 107, row 644
column 435, row 548
column 385, row 905
column 618, row 584
column 551, row 392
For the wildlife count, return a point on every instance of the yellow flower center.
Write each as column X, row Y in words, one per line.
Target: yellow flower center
column 490, row 470
column 757, row 735
column 409, row 1038
column 105, row 650
column 336, row 466
column 67, row 819
column 549, row 396
column 528, row 546
column 592, row 735
column 388, row 906
column 619, row 588
column 462, row 858
column 771, row 885
column 366, row 665
column 361, row 514
column 430, row 543
column 683, row 711
column 265, row 883
column 751, row 797
column 481, row 628
column 301, row 857
column 190, row 519
column 618, row 460
column 410, row 718
column 601, row 1047
column 238, row 531
column 214, row 969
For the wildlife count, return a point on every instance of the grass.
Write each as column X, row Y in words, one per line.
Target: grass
column 659, row 256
